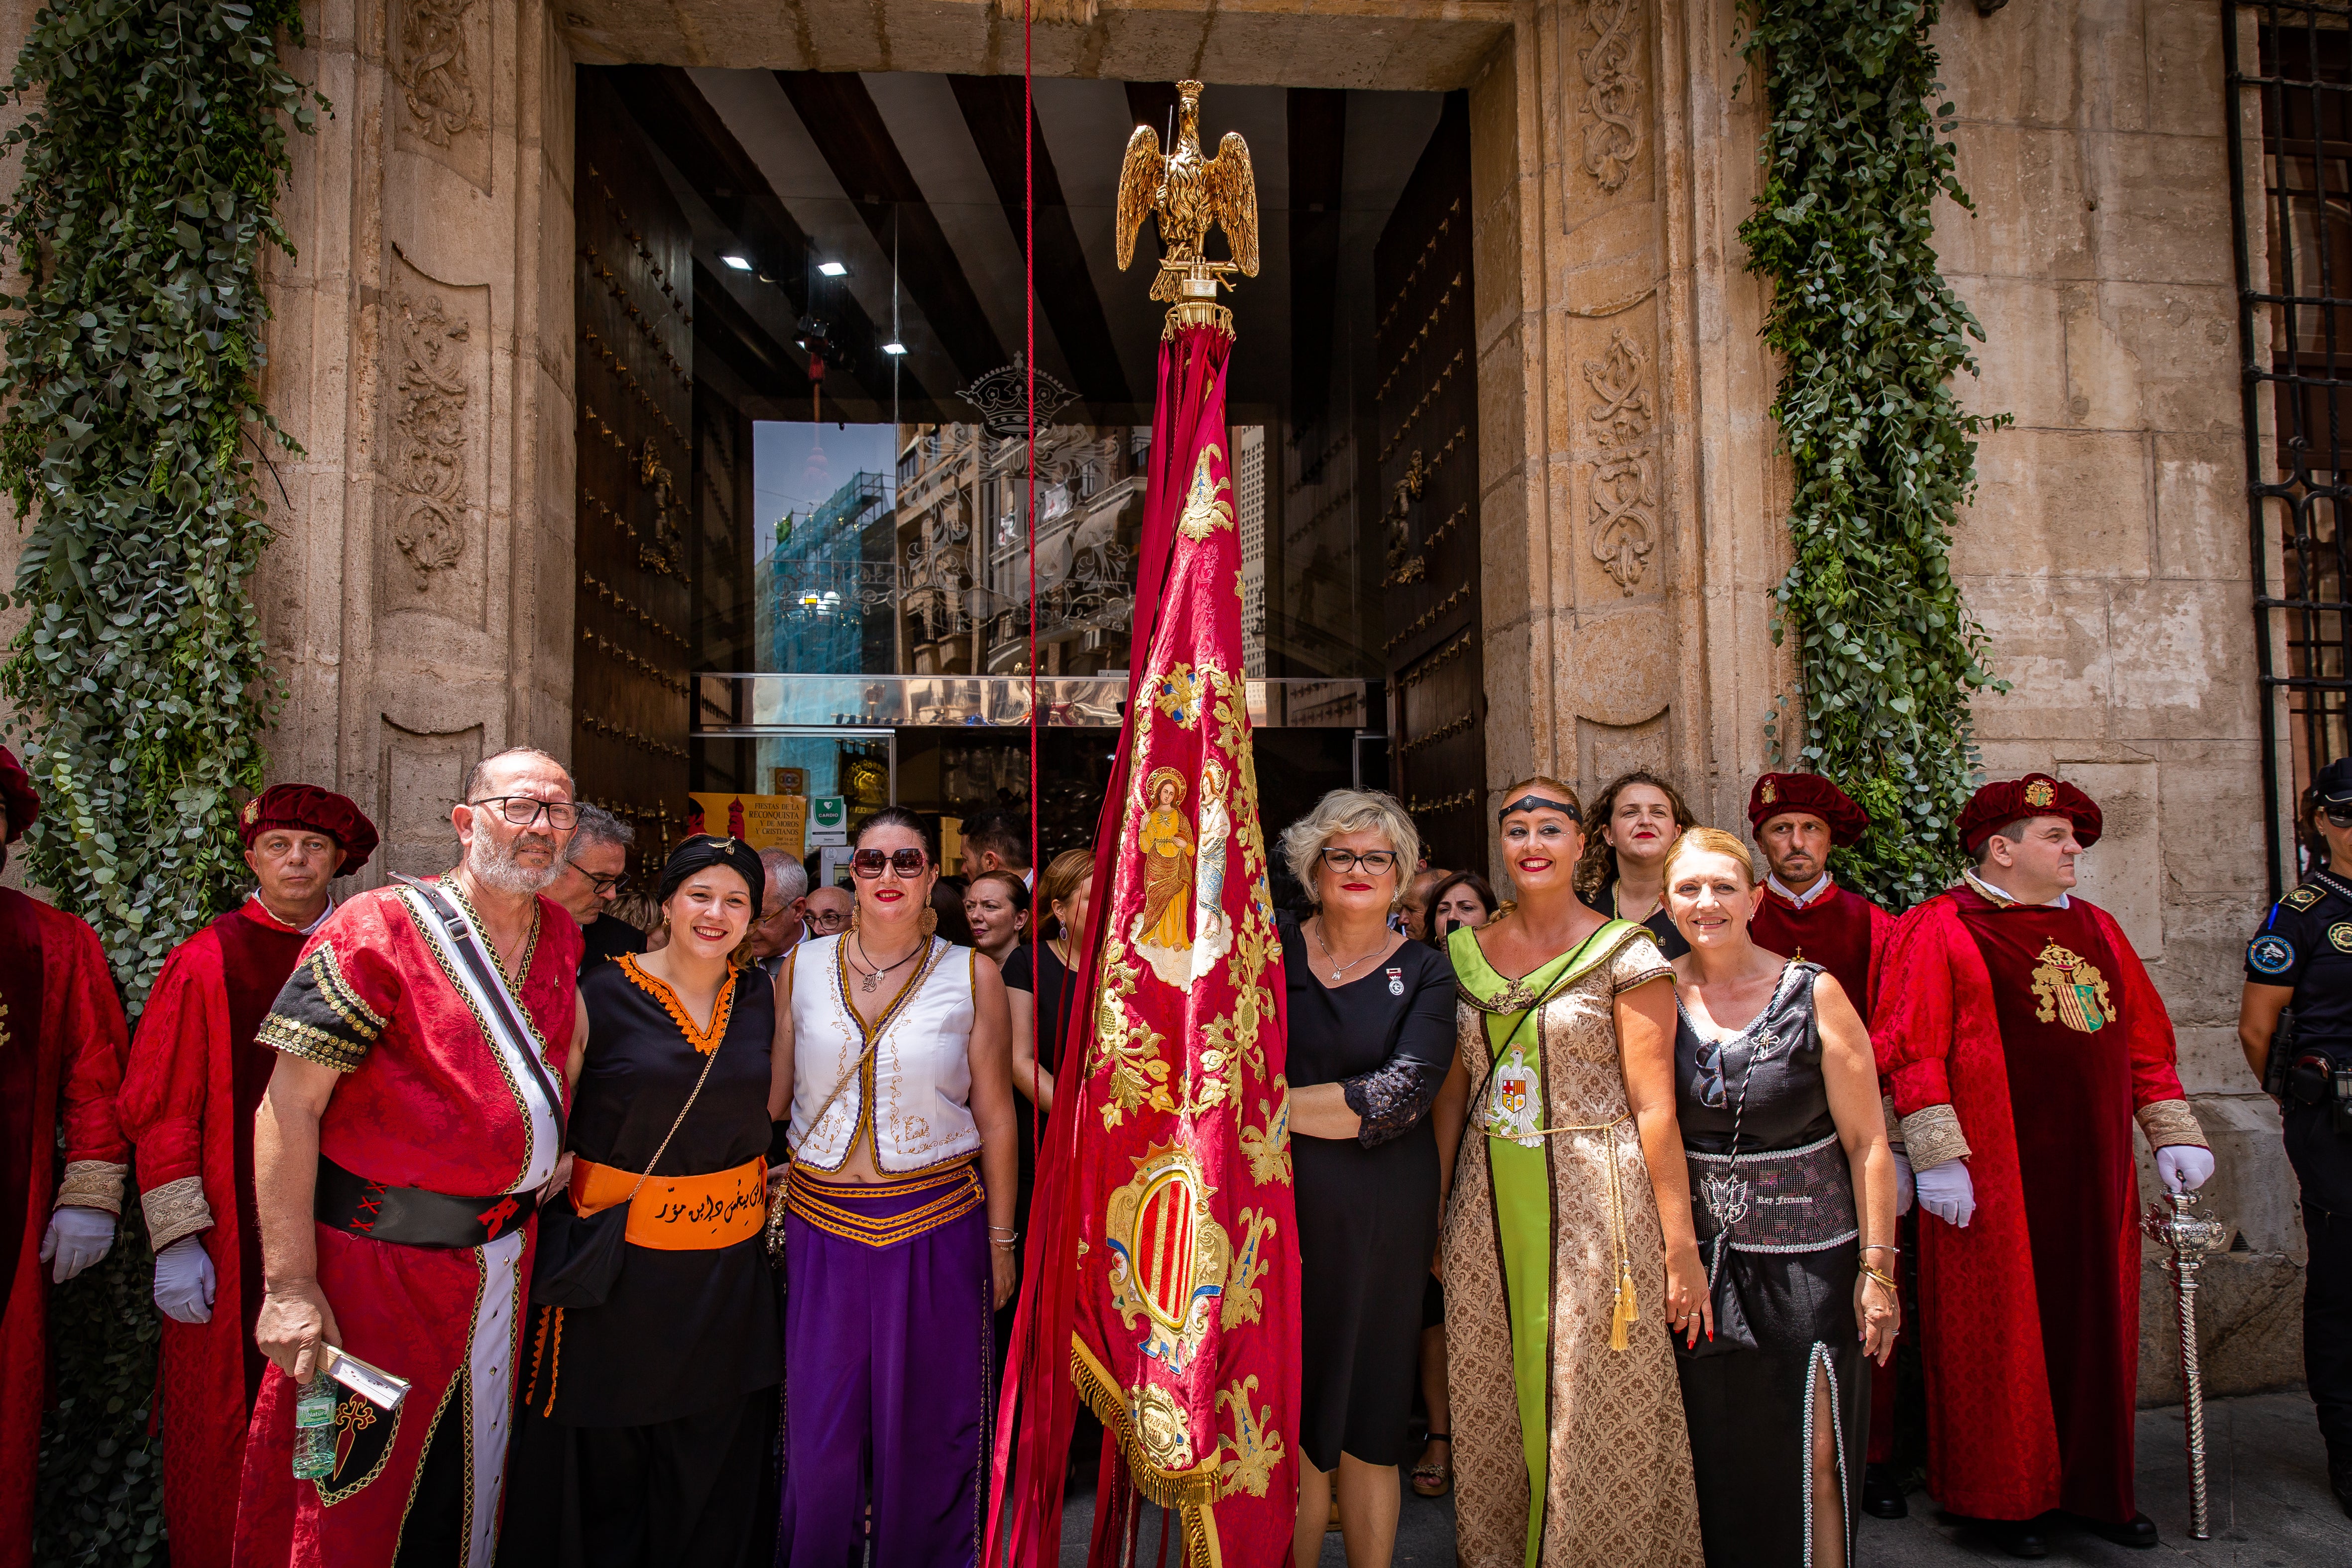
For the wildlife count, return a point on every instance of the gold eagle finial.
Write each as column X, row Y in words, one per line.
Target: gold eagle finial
column 1191, row 193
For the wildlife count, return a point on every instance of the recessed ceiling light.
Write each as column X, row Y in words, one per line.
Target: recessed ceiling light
column 740, row 263
column 833, row 268
column 893, row 348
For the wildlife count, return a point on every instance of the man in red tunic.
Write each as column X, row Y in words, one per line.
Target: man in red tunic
column 411, row 1123
column 2022, row 1036
column 61, row 1038
column 194, row 1080
column 1801, row 912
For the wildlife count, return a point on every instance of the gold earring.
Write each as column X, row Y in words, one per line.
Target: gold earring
column 928, row 922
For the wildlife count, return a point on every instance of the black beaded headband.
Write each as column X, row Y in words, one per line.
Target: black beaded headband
column 1535, row 802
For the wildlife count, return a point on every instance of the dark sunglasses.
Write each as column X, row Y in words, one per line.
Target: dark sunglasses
column 905, row 862
column 2337, row 816
column 1708, row 1060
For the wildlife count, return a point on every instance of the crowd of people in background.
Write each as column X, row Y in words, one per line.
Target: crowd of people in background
column 1615, row 1189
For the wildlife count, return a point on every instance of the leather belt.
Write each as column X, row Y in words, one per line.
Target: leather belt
column 411, row 1216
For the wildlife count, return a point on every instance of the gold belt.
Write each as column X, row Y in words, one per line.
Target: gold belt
column 815, row 1202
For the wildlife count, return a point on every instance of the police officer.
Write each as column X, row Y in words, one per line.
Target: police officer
column 2301, row 959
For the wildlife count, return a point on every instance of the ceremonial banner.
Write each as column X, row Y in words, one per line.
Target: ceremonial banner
column 1162, row 1273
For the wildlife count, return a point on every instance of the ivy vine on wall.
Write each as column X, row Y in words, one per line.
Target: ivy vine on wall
column 154, row 147
column 1870, row 337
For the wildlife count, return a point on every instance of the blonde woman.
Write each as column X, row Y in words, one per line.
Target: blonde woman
column 1371, row 1039
column 1777, row 1096
column 1568, row 1242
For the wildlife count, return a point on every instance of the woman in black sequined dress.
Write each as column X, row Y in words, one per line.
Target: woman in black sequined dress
column 1371, row 1038
column 1778, row 1102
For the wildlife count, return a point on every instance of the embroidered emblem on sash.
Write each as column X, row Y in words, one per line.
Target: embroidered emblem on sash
column 1511, row 1101
column 2071, row 990
column 1169, row 1257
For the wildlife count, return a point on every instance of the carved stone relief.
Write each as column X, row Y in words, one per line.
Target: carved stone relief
column 418, row 773
column 1611, row 105
column 1624, row 499
column 1604, row 751
column 441, row 62
column 433, row 546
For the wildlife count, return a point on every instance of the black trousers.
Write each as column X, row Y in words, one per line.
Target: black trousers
column 699, row 1490
column 2322, row 1165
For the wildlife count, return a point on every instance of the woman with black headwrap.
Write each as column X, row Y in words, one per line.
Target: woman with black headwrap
column 649, row 1403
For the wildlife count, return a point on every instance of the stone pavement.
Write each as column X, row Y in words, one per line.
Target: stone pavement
column 2266, row 1469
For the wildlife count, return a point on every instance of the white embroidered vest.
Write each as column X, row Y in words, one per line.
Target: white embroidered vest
column 916, row 1092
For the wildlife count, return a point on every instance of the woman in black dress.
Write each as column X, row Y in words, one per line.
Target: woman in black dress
column 1635, row 820
column 1371, row 1039
column 644, row 1430
column 1792, row 1196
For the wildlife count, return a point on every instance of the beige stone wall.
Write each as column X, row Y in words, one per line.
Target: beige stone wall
column 2107, row 553
column 419, row 596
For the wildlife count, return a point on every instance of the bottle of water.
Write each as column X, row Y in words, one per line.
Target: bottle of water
column 314, row 1429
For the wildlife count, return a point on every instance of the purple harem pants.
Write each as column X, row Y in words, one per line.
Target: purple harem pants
column 887, row 1345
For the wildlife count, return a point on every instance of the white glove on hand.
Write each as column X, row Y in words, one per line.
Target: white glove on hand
column 2184, row 1167
column 1945, row 1192
column 77, row 1237
column 1906, row 1192
column 184, row 1282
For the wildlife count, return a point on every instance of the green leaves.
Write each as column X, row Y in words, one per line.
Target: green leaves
column 151, row 168
column 1870, row 338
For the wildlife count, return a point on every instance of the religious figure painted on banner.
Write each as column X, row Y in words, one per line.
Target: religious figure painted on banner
column 1212, row 928
column 1163, row 931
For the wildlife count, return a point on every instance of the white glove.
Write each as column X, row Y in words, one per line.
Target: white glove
column 184, row 1282
column 2184, row 1167
column 77, row 1237
column 1906, row 1190
column 1945, row 1192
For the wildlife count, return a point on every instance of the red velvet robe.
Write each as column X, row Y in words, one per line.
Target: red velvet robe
column 61, row 1044
column 195, row 1077
column 427, row 1102
column 2030, row 1315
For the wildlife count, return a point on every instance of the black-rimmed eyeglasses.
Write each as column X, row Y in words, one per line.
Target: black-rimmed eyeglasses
column 611, row 887
column 523, row 810
column 1379, row 862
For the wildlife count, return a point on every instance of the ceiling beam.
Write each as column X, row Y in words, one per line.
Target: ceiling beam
column 994, row 109
column 842, row 119
column 691, row 136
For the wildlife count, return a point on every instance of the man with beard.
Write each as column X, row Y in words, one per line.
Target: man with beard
column 411, row 1124
column 61, row 1039
column 193, row 1081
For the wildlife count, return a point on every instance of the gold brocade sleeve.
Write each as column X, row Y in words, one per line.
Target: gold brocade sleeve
column 175, row 1209
column 1932, row 1136
column 92, row 1184
column 2171, row 1121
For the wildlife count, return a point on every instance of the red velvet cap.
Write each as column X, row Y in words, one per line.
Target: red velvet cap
column 2035, row 794
column 17, row 795
column 318, row 810
column 1810, row 793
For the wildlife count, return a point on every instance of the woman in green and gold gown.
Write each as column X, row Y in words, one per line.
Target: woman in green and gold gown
column 1569, row 1253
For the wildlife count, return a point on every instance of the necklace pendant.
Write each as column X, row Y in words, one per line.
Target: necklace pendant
column 869, row 980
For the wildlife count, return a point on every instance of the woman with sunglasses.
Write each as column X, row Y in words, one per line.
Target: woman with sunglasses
column 1568, row 1242
column 1778, row 1095
column 1371, row 1037
column 899, row 1230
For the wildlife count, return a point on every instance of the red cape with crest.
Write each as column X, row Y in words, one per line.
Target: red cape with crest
column 2030, row 1316
column 1162, row 1273
column 61, row 1044
column 195, row 1077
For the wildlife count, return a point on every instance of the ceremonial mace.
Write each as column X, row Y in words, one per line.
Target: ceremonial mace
column 2172, row 1222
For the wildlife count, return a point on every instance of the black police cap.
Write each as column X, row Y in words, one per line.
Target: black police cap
column 2334, row 784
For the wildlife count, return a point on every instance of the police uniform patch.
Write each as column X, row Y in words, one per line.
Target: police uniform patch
column 2340, row 934
column 2304, row 897
column 2270, row 953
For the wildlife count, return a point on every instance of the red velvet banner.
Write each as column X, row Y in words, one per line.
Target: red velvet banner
column 1163, row 1252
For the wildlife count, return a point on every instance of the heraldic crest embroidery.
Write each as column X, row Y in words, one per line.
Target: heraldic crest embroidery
column 2069, row 988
